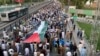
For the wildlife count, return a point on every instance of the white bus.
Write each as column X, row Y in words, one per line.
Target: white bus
column 13, row 14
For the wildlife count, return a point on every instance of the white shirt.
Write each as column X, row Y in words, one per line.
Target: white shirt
column 5, row 53
column 35, row 15
column 35, row 53
column 41, row 54
column 17, row 45
column 14, row 28
column 68, row 19
column 63, row 34
column 40, row 45
column 82, row 33
column 25, row 28
column 31, row 46
column 21, row 27
column 47, row 43
column 35, row 46
column 80, row 46
column 11, row 51
column 20, row 33
column 68, row 54
column 4, row 33
column 26, row 50
column 6, row 36
column 3, row 46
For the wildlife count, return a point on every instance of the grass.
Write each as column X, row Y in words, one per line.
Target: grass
column 98, row 44
column 86, row 27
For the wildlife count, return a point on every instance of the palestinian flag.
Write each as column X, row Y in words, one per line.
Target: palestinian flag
column 38, row 35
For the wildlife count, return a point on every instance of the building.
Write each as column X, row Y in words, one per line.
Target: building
column 91, row 4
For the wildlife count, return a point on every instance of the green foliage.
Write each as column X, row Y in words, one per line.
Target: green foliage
column 98, row 44
column 91, row 0
column 79, row 3
column 86, row 27
column 64, row 2
column 2, row 2
column 8, row 1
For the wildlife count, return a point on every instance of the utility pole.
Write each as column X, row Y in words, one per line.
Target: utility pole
column 95, row 31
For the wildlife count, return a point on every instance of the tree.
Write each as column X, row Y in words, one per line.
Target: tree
column 64, row 2
column 79, row 3
column 2, row 2
column 91, row 0
column 9, row 1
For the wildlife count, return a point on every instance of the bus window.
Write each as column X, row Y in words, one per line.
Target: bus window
column 3, row 15
column 13, row 14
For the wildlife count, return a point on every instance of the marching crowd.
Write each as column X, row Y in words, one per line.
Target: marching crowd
column 57, row 39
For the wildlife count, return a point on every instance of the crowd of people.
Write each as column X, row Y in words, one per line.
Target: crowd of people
column 57, row 39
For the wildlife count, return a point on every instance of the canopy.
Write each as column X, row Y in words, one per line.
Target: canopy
column 33, row 38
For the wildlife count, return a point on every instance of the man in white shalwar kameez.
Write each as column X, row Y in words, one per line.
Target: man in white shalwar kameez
column 63, row 34
column 17, row 46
